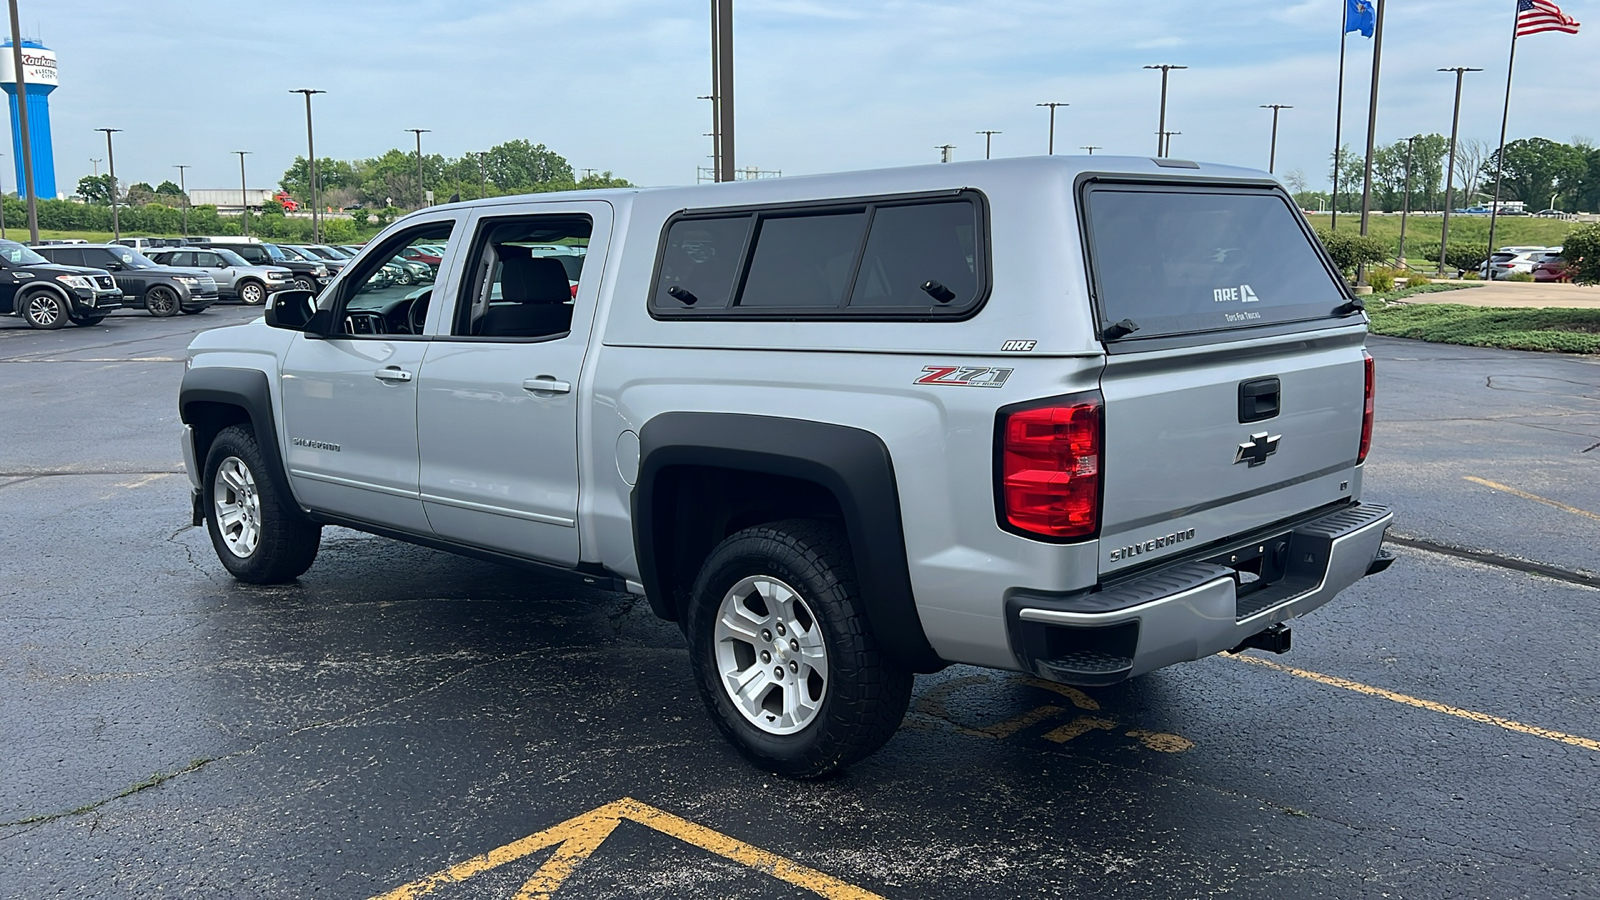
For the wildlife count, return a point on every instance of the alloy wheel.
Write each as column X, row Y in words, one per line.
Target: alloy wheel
column 770, row 654
column 238, row 507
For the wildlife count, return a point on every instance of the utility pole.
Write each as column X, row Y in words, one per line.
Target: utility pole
column 183, row 188
column 419, row 132
column 1091, row 148
column 1272, row 157
column 22, row 130
column 1161, row 132
column 111, row 159
column 311, row 166
column 944, row 152
column 96, row 166
column 244, row 197
column 722, row 86
column 1450, row 171
column 988, row 141
column 2, row 210
column 483, row 180
column 1166, row 141
column 1405, row 204
column 1052, row 151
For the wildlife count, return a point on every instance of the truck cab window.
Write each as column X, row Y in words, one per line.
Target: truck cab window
column 523, row 277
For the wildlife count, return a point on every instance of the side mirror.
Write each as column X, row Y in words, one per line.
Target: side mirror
column 222, row 264
column 113, row 266
column 291, row 310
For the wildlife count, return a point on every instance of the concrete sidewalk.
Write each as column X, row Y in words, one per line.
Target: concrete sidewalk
column 1515, row 293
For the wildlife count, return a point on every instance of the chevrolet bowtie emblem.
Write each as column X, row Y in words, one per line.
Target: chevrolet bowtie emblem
column 1257, row 449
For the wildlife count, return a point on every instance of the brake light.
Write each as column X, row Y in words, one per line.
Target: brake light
column 1366, row 413
column 1050, row 469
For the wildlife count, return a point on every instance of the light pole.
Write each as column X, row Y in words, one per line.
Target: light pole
column 1161, row 132
column 1091, row 148
column 22, row 128
column 2, row 210
column 1405, row 204
column 1272, row 157
column 96, row 166
column 944, row 152
column 1166, row 141
column 722, row 86
column 111, row 161
column 183, row 188
column 1052, row 151
column 1450, row 172
column 419, row 132
column 244, row 196
column 1372, row 130
column 311, row 166
column 483, row 180
column 988, row 141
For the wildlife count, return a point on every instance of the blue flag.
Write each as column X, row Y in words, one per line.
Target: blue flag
column 1359, row 15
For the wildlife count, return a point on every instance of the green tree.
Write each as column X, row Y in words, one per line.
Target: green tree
column 520, row 167
column 331, row 174
column 1581, row 250
column 1584, row 193
column 1352, row 167
column 1349, row 249
column 168, row 189
column 95, row 189
column 1534, row 169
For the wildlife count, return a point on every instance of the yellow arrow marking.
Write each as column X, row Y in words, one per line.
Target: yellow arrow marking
column 577, row 838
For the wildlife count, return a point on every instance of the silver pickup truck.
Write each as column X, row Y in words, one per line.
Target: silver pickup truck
column 1078, row 417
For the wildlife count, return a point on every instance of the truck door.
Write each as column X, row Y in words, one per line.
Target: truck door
column 498, row 396
column 350, row 397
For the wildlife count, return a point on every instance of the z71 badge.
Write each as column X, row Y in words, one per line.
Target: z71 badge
column 964, row 376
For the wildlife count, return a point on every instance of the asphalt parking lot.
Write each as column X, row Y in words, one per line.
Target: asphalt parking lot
column 405, row 723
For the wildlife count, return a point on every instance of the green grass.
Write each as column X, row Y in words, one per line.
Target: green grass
column 1511, row 231
column 1552, row 330
column 20, row 234
column 1400, row 293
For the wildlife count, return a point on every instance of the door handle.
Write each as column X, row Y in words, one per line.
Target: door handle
column 544, row 384
column 392, row 374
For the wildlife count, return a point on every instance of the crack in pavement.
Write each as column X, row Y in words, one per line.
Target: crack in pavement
column 197, row 764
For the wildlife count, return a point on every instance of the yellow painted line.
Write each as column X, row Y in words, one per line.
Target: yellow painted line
column 579, row 837
column 1431, row 705
column 1534, row 497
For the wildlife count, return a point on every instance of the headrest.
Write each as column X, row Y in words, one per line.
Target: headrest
column 525, row 278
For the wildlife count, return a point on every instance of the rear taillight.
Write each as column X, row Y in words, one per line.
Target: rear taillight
column 1050, row 468
column 1366, row 412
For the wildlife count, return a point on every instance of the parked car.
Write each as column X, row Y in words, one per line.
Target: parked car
column 1505, row 263
column 308, row 276
column 146, row 244
column 159, row 290
column 841, row 429
column 237, row 279
column 333, row 261
column 1552, row 214
column 48, row 295
column 1552, row 268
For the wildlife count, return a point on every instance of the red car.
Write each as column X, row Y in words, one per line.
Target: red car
column 1552, row 268
column 415, row 254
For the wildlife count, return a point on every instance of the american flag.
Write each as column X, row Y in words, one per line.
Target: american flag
column 1534, row 16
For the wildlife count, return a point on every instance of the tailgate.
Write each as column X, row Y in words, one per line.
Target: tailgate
column 1182, row 470
column 1234, row 392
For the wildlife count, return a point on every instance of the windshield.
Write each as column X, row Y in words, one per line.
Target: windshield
column 324, row 252
column 273, row 251
column 1185, row 260
column 131, row 259
column 230, row 257
column 341, row 253
column 18, row 255
column 299, row 253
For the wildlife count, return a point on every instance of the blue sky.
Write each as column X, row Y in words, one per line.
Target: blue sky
column 822, row 85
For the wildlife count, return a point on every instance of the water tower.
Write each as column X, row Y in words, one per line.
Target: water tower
column 39, row 74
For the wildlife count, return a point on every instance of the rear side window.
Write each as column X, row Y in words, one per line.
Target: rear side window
column 1184, row 260
column 891, row 258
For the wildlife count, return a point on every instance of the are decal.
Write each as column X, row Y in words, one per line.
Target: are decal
column 964, row 376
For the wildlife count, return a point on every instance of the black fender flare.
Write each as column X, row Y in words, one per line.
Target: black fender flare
column 852, row 464
column 246, row 389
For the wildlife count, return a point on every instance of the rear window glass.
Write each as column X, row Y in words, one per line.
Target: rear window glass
column 1181, row 261
column 897, row 257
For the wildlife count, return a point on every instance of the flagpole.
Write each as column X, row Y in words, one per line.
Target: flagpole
column 1500, row 157
column 1372, row 126
column 1338, row 115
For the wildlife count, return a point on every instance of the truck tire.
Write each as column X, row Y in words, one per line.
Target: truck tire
column 260, row 536
column 161, row 301
column 45, row 309
column 304, row 283
column 783, row 655
column 252, row 293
